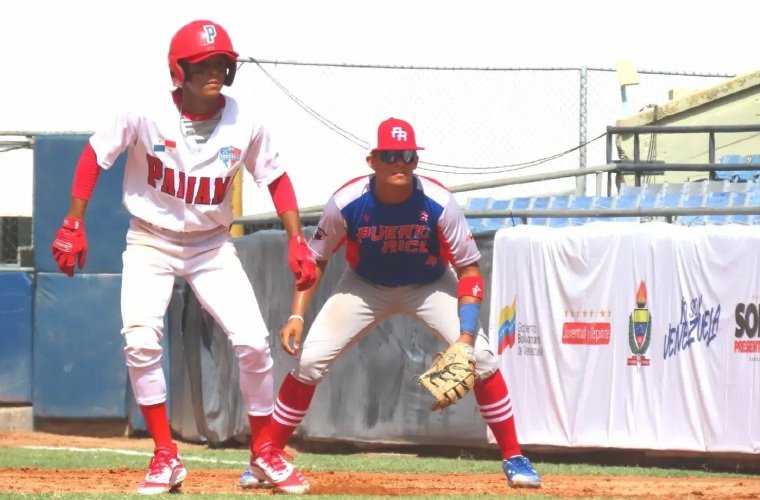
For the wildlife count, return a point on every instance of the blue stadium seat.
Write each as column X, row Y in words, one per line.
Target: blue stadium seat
column 559, row 222
column 539, row 202
column 606, row 201
column 501, row 204
column 669, row 200
column 559, row 201
column 581, row 202
column 603, row 202
column 738, row 199
column 625, row 202
column 694, row 187
column 715, row 186
column 736, row 175
column 626, row 190
column 692, row 201
column 738, row 186
column 717, row 199
column 479, row 203
column 521, row 203
column 654, row 189
column 501, row 222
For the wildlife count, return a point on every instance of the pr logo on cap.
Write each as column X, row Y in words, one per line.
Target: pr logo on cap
column 394, row 134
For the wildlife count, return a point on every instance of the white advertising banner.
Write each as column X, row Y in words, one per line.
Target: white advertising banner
column 628, row 335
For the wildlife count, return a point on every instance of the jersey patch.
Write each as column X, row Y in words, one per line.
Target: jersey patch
column 229, row 155
column 164, row 146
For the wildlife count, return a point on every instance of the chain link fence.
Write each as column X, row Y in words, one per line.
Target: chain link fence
column 478, row 125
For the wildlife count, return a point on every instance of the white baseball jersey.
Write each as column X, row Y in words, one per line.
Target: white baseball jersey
column 176, row 184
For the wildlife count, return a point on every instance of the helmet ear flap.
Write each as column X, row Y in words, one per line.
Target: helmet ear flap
column 231, row 70
column 178, row 72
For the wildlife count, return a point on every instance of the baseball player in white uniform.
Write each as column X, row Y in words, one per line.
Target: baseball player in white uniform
column 410, row 252
column 181, row 158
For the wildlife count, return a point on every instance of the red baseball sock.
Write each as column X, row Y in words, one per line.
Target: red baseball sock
column 495, row 406
column 293, row 401
column 258, row 425
column 158, row 425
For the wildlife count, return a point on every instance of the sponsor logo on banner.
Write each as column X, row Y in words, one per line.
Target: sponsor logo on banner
column 640, row 329
column 515, row 333
column 230, row 155
column 697, row 324
column 747, row 333
column 507, row 322
column 583, row 331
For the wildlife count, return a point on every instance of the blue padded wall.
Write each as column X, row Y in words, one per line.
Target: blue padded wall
column 16, row 289
column 79, row 366
column 106, row 221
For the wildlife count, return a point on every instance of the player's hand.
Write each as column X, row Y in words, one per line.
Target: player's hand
column 70, row 245
column 290, row 336
column 301, row 262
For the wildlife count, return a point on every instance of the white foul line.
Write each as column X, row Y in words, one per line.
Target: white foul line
column 135, row 453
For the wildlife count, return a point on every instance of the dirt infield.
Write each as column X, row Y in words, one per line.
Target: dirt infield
column 122, row 480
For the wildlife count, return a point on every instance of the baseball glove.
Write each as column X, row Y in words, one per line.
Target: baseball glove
column 451, row 376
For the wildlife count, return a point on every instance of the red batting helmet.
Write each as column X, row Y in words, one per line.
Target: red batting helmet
column 195, row 42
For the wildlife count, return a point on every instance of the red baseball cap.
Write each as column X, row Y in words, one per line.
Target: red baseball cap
column 395, row 135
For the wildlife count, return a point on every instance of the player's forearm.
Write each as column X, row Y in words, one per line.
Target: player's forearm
column 77, row 208
column 291, row 222
column 302, row 299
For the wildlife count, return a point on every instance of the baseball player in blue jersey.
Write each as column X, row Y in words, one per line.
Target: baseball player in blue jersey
column 410, row 252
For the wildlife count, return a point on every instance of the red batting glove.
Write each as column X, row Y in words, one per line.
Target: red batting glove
column 70, row 245
column 302, row 263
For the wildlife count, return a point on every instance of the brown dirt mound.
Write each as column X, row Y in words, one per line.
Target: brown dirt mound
column 122, row 480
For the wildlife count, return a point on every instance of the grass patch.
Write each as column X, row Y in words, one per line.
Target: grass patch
column 234, row 459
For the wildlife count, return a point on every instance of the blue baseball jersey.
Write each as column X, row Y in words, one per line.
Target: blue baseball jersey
column 401, row 244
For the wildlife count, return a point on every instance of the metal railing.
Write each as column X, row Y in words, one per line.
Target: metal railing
column 638, row 167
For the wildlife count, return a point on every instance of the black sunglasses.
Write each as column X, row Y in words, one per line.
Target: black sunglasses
column 408, row 156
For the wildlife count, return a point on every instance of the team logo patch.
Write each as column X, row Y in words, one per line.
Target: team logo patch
column 320, row 234
column 424, row 216
column 229, row 155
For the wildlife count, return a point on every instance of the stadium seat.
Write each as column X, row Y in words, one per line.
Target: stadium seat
column 694, row 187
column 540, row 202
column 717, row 199
column 669, row 200
column 715, row 186
column 732, row 175
column 654, row 189
column 739, row 199
column 582, row 203
column 521, row 203
column 692, row 201
column 479, row 203
column 626, row 202
column 674, row 187
column 559, row 222
column 737, row 186
column 492, row 224
column 559, row 201
column 501, row 204
column 626, row 190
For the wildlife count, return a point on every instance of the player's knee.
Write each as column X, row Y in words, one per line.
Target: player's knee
column 254, row 359
column 143, row 347
column 485, row 364
column 310, row 370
